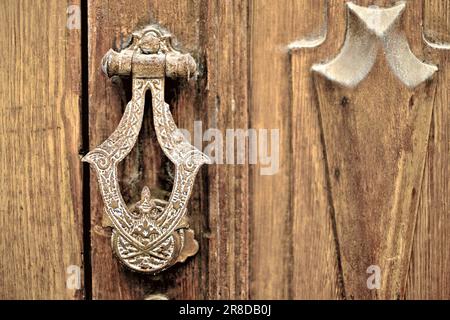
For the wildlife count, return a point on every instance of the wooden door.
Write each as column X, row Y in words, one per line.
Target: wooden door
column 356, row 95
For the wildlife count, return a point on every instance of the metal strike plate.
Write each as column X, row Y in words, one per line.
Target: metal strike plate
column 155, row 235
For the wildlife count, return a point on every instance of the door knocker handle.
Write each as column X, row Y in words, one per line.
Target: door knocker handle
column 157, row 234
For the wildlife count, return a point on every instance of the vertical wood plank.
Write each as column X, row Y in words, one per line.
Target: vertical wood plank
column 373, row 185
column 316, row 273
column 40, row 135
column 215, row 33
column 280, row 248
column 429, row 276
column 226, row 101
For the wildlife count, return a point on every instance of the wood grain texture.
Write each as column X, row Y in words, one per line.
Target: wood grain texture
column 315, row 257
column 226, row 102
column 363, row 231
column 214, row 32
column 40, row 135
column 363, row 176
column 352, row 182
column 376, row 158
column 276, row 270
column 429, row 276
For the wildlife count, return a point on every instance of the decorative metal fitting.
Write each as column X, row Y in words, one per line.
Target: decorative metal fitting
column 157, row 234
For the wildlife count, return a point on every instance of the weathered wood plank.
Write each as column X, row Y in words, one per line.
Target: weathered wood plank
column 40, row 136
column 282, row 252
column 374, row 159
column 315, row 256
column 215, row 33
column 429, row 276
column 226, row 102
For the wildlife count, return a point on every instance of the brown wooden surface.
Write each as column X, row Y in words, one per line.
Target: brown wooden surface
column 292, row 234
column 289, row 209
column 430, row 260
column 365, row 232
column 338, row 204
column 40, row 136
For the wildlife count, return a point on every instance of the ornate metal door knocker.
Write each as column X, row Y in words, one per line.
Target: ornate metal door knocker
column 156, row 235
